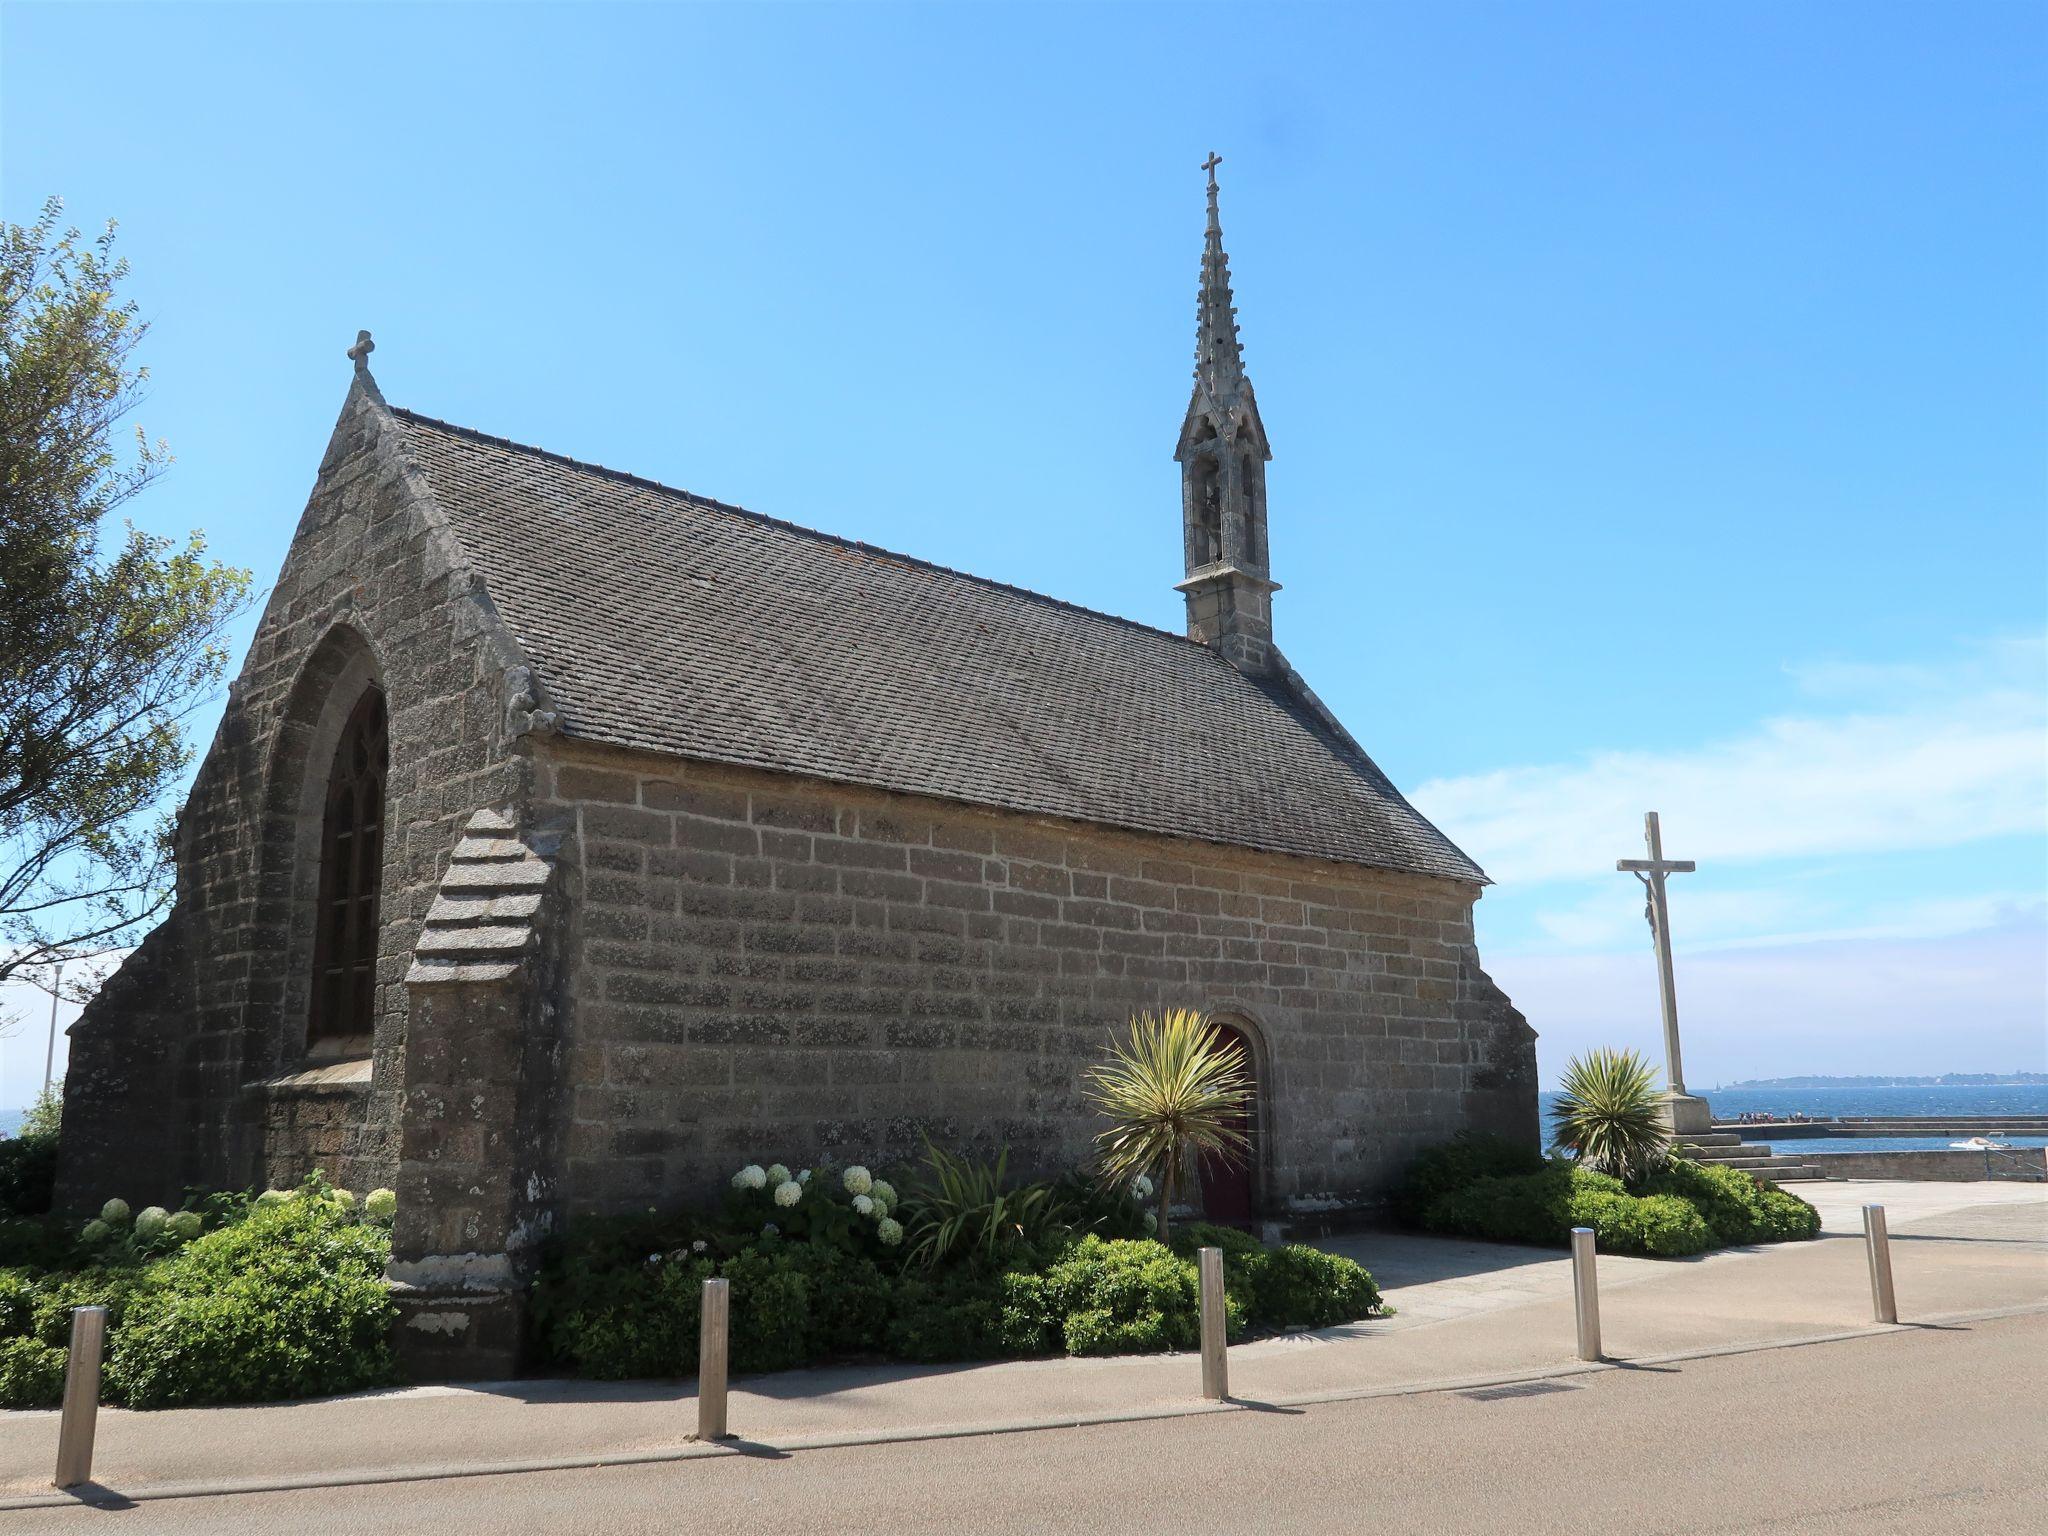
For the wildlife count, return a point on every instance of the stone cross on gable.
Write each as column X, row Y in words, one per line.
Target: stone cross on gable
column 359, row 354
column 1652, row 872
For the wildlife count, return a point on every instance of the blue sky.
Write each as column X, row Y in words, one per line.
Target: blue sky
column 1657, row 393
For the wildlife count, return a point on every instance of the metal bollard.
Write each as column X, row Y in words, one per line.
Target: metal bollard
column 1586, row 1293
column 1883, row 1304
column 81, row 1397
column 712, row 1334
column 1215, row 1361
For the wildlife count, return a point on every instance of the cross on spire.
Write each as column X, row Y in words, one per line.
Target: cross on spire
column 1210, row 165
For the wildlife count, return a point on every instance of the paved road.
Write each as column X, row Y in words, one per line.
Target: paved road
column 1925, row 1431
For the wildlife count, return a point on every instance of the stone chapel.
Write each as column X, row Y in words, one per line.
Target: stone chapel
column 569, row 840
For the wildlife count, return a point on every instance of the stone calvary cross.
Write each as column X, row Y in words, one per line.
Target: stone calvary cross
column 1685, row 1112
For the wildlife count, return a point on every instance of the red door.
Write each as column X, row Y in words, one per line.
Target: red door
column 1227, row 1183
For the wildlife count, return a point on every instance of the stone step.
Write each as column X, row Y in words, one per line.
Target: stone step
column 1709, row 1139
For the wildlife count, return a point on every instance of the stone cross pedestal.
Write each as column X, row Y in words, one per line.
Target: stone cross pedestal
column 1685, row 1113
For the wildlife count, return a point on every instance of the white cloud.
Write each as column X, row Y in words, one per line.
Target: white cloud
column 1975, row 1002
column 1954, row 755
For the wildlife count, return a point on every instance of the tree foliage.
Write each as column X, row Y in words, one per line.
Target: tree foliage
column 1175, row 1090
column 107, row 642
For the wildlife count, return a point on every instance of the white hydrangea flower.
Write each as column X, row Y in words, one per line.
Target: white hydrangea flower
column 381, row 1204
column 769, row 1229
column 94, row 1231
column 186, row 1225
column 1141, row 1188
column 890, row 1232
column 788, row 1192
column 114, row 1213
column 271, row 1197
column 150, row 1221
column 804, row 1177
column 778, row 1175
column 345, row 1198
column 1151, row 1221
column 699, row 1246
column 885, row 1195
column 864, row 1205
column 858, row 1180
column 753, row 1176
column 654, row 1258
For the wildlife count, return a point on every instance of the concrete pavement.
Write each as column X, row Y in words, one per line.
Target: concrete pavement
column 1917, row 1432
column 1469, row 1313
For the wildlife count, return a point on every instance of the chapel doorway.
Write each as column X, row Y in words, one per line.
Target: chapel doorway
column 1227, row 1187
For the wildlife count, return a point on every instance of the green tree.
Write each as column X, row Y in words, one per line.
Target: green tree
column 1607, row 1115
column 1176, row 1089
column 108, row 642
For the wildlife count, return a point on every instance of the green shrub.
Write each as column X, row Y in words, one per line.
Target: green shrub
column 1541, row 1209
column 289, row 1303
column 1533, row 1208
column 1302, row 1287
column 57, row 1294
column 962, row 1314
column 1464, row 1159
column 31, row 1374
column 1113, row 1298
column 1661, row 1225
column 617, row 1317
column 36, row 1243
column 1736, row 1207
column 17, row 1303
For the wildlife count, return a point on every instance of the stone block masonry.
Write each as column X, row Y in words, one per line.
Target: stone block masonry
column 192, row 1067
column 762, row 966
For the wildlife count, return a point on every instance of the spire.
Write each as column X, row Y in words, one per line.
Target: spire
column 1223, row 456
column 1219, row 361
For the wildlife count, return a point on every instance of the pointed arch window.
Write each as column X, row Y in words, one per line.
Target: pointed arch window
column 351, row 872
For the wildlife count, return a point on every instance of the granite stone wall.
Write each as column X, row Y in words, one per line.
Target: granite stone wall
column 764, row 967
column 191, row 1066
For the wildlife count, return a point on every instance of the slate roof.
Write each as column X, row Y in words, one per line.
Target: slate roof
column 668, row 622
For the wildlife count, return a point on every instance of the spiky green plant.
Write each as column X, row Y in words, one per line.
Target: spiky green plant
column 1607, row 1115
column 956, row 1205
column 1175, row 1090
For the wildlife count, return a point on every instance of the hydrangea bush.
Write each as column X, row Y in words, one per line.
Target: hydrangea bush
column 229, row 1299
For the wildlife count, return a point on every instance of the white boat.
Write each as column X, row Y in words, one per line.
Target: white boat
column 1980, row 1144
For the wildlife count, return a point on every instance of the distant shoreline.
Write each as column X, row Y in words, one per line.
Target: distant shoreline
column 1946, row 1080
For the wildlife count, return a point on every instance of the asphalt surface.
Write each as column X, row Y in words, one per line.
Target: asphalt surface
column 1927, row 1430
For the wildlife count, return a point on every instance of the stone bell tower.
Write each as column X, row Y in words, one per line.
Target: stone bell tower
column 1222, row 456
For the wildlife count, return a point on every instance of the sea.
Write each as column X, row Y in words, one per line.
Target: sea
column 1835, row 1103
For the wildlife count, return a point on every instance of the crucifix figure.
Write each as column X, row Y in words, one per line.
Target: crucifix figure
column 1652, row 872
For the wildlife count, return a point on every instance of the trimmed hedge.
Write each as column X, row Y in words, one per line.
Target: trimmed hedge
column 604, row 1308
column 1737, row 1208
column 1684, row 1208
column 1464, row 1159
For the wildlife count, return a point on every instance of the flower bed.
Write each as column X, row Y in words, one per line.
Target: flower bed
column 230, row 1300
column 1482, row 1186
column 960, row 1266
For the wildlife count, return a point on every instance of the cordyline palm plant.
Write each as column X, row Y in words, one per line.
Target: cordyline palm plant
column 1175, row 1090
column 1607, row 1115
